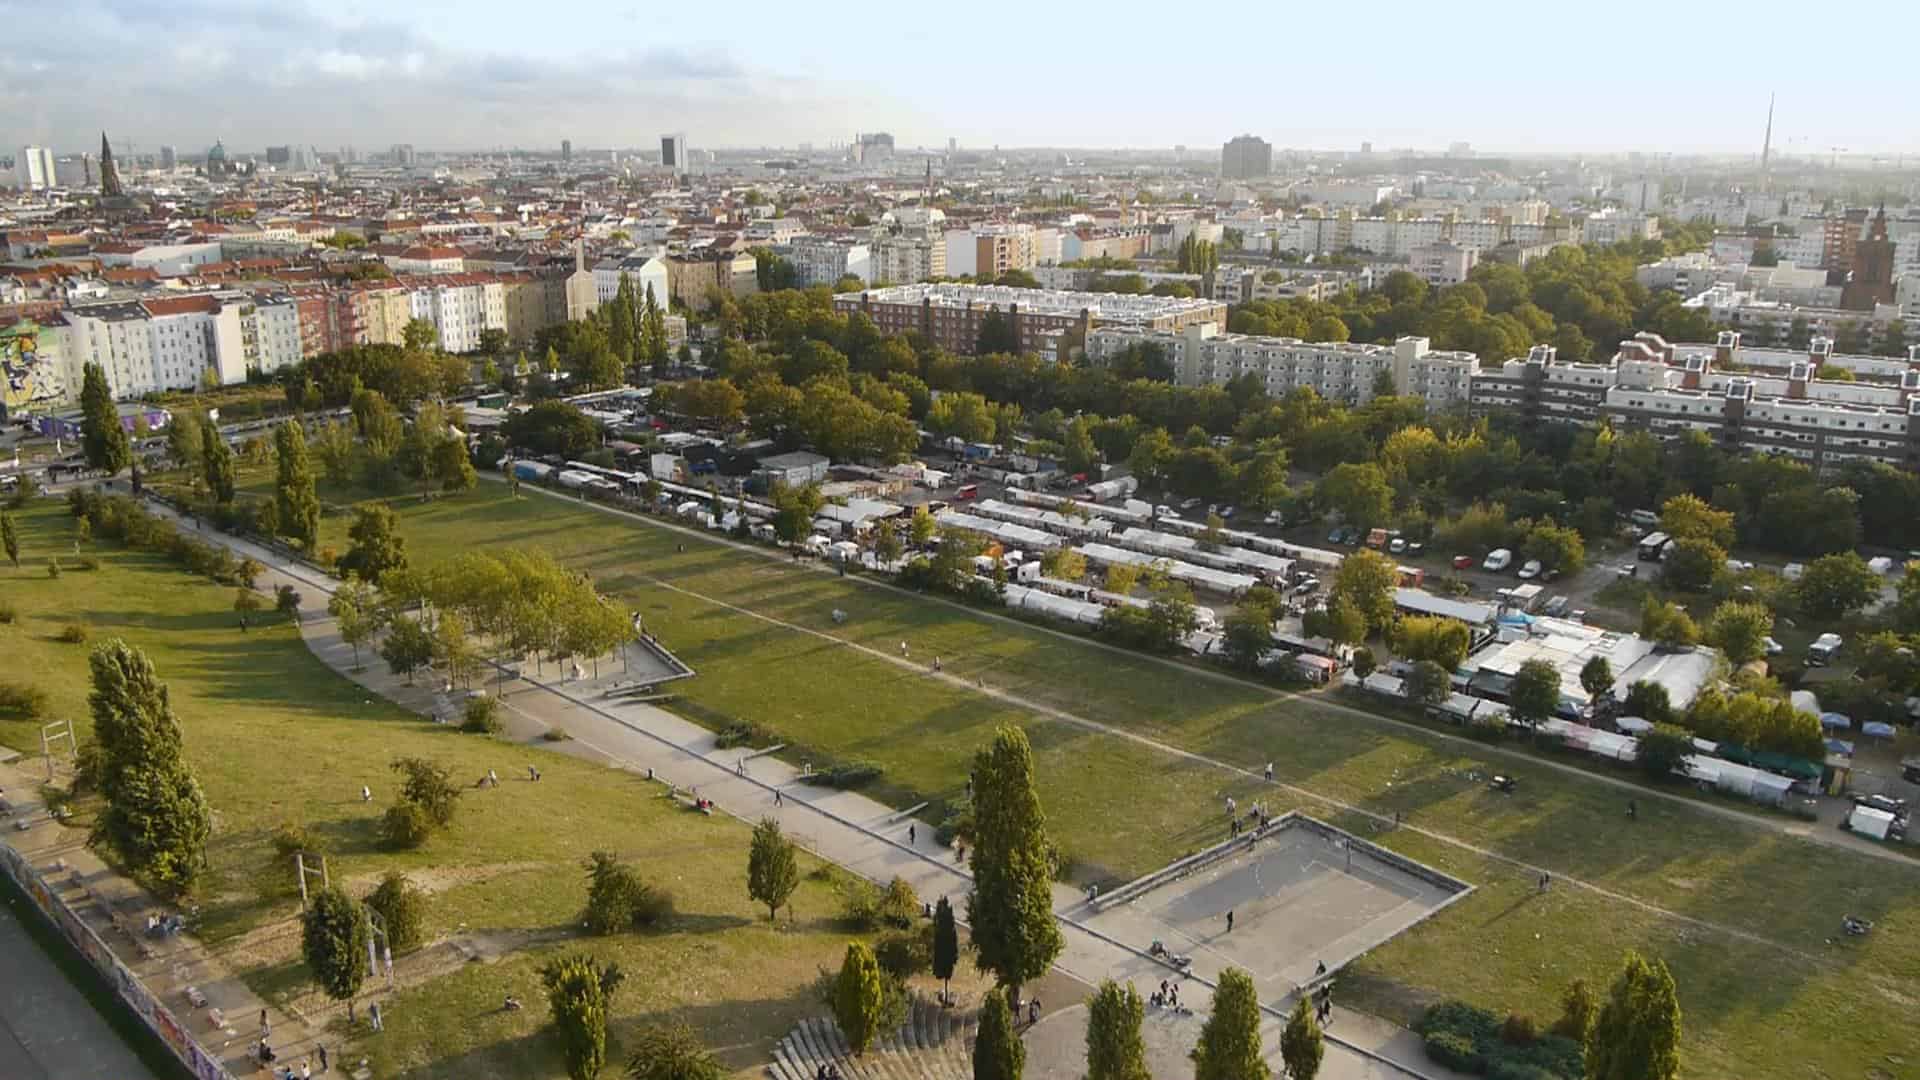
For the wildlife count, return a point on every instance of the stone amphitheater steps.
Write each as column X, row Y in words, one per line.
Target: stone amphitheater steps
column 935, row 1043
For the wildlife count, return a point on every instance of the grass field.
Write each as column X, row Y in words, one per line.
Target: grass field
column 1756, row 1008
column 276, row 736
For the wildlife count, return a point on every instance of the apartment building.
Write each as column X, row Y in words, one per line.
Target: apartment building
column 270, row 333
column 1118, row 242
column 427, row 259
column 907, row 259
column 1346, row 372
column 772, row 231
column 1612, row 226
column 459, row 306
column 644, row 270
column 34, row 169
column 823, row 260
column 146, row 347
column 1246, row 157
column 693, row 277
column 1048, row 322
column 1443, row 263
column 1542, row 386
column 1763, row 320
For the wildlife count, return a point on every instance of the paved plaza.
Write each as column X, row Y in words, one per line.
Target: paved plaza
column 1300, row 897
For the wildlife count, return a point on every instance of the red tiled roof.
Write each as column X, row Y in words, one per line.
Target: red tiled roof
column 181, row 305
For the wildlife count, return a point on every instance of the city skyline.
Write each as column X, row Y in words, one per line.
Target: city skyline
column 474, row 77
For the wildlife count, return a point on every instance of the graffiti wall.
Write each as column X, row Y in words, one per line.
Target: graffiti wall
column 32, row 375
column 156, row 1016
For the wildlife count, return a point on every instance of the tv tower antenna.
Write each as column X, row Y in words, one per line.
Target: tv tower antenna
column 1766, row 148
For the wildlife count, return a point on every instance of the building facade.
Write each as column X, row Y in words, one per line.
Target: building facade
column 1042, row 321
column 1246, row 157
column 1346, row 372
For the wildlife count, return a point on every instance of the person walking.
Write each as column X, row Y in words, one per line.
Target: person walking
column 776, row 797
column 913, row 835
column 1269, row 772
column 1229, row 921
column 324, row 1067
column 373, row 1014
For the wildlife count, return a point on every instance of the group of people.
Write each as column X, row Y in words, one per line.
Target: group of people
column 827, row 1071
column 1167, row 997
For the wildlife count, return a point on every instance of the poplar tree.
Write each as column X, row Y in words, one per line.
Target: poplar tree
column 998, row 1053
column 859, row 997
column 216, row 460
column 156, row 817
column 294, row 493
column 1011, row 906
column 1115, row 1049
column 1229, row 1047
column 102, row 439
column 333, row 941
column 1636, row 1036
column 772, row 871
column 580, row 995
column 1301, row 1046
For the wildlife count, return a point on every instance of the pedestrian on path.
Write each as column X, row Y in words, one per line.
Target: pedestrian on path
column 903, row 649
column 913, row 834
column 1269, row 772
column 776, row 797
column 306, row 1070
column 1231, row 805
column 1229, row 920
column 373, row 1014
column 324, row 1067
column 266, row 1029
column 366, row 793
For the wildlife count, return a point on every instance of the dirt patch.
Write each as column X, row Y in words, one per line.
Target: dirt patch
column 431, row 880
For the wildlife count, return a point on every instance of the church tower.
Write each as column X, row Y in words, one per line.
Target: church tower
column 110, row 185
column 1871, row 281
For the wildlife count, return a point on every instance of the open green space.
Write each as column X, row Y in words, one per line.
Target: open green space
column 1756, row 1008
column 275, row 736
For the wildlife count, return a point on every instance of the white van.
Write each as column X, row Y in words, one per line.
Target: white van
column 1823, row 650
column 1644, row 518
column 1497, row 560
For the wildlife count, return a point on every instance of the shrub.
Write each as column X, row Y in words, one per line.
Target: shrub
column 481, row 716
column 555, row 734
column 653, row 906
column 22, row 701
column 1510, row 1069
column 745, row 733
column 905, row 953
column 1453, row 1050
column 291, row 837
column 898, row 905
column 8, row 613
column 73, row 633
column 850, row 775
column 87, row 562
column 403, row 908
column 859, row 904
column 1519, row 1030
column 958, row 825
column 405, row 826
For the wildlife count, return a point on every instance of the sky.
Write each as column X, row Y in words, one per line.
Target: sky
column 476, row 74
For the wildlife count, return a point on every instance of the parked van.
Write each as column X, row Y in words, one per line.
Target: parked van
column 1497, row 560
column 1644, row 518
column 1823, row 650
column 1651, row 546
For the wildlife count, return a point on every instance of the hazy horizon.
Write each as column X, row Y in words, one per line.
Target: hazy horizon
column 607, row 73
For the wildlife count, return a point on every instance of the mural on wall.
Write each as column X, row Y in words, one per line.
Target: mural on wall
column 32, row 377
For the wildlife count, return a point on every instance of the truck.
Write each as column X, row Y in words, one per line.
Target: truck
column 1108, row 490
column 1498, row 559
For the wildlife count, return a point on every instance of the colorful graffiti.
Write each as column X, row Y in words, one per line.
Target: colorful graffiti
column 31, row 373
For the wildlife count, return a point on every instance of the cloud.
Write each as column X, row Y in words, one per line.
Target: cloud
column 259, row 72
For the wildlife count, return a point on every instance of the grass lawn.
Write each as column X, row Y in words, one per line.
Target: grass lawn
column 1755, row 1009
column 276, row 736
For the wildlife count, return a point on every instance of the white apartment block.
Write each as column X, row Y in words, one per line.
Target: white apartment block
column 270, row 334
column 1442, row 263
column 166, row 260
column 1612, row 227
column 645, row 270
column 821, row 260
column 428, row 259
column 145, row 347
column 770, row 231
column 459, row 306
column 1339, row 371
column 33, row 169
column 905, row 260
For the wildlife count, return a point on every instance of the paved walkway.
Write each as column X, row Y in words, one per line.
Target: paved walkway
column 848, row 829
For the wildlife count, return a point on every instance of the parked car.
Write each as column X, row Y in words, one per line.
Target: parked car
column 1274, row 517
column 1190, row 504
column 1555, row 606
column 1397, row 545
column 1886, row 804
column 1338, row 534
column 1530, row 570
column 1774, row 648
column 1226, row 512
column 1306, row 586
column 1823, row 650
column 1415, row 547
column 1646, row 518
column 1463, row 562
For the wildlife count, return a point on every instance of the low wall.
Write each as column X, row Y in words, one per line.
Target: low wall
column 157, row 1017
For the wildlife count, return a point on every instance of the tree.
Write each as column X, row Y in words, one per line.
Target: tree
column 1247, row 636
column 1667, row 624
column 356, row 615
column 186, row 439
column 773, row 873
column 217, row 463
column 580, row 996
column 1359, row 492
column 1740, row 629
column 333, row 941
column 429, row 786
column 1011, row 906
column 1367, row 579
column 1834, row 586
column 453, row 650
column 293, row 491
column 1692, row 563
column 614, row 892
column 1229, row 1046
column 1428, row 683
column 652, row 331
column 553, row 427
column 946, row 944
column 1301, row 1046
column 377, row 549
column 402, row 907
column 408, row 647
column 1558, row 547
column 246, row 601
column 671, row 1051
column 1535, row 693
column 1434, row 638
column 1636, row 1035
column 1689, row 516
column 1577, row 1007
column 1660, row 752
column 1340, row 622
column 859, row 996
column 1115, row 1049
column 920, row 527
column 996, row 335
column 10, row 538
column 998, row 1053
column 156, row 817
column 102, row 438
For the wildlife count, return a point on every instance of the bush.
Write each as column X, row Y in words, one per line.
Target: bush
column 958, row 826
column 859, row 904
column 1453, row 1050
column 905, row 953
column 405, row 826
column 747, row 734
column 653, row 906
column 291, row 837
column 481, row 716
column 73, row 633
column 851, row 775
column 22, row 701
column 898, row 906
column 87, row 562
column 555, row 734
column 403, row 908
column 1519, row 1030
column 7, row 613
